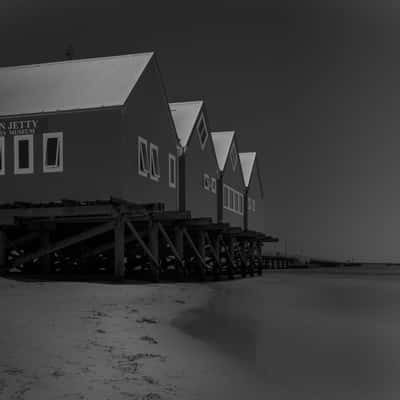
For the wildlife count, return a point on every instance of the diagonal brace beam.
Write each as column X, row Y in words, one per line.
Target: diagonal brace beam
column 193, row 246
column 141, row 242
column 98, row 230
column 171, row 244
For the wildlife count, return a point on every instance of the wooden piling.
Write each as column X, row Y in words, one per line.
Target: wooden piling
column 155, row 250
column 119, row 248
column 201, row 247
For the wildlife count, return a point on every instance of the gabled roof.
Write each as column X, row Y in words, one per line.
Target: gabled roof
column 247, row 161
column 70, row 85
column 222, row 143
column 185, row 115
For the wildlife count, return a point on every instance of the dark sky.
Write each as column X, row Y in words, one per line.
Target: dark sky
column 312, row 86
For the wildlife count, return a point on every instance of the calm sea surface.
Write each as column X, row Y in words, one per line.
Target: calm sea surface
column 309, row 335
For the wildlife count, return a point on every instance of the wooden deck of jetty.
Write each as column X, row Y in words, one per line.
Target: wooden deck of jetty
column 126, row 240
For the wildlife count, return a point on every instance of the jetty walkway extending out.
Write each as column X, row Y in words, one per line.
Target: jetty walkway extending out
column 126, row 240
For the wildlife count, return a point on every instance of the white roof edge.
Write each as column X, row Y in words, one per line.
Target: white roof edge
column 222, row 143
column 78, row 60
column 247, row 162
column 174, row 103
column 184, row 115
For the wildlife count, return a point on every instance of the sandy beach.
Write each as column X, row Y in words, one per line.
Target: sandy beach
column 77, row 340
column 286, row 335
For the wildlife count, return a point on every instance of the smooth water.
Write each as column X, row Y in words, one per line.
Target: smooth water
column 309, row 335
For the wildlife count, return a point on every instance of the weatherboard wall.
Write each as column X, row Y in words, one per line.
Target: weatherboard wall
column 90, row 168
column 146, row 114
column 200, row 201
column 256, row 215
column 234, row 179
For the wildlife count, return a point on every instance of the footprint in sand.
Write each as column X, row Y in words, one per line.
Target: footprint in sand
column 146, row 320
column 149, row 339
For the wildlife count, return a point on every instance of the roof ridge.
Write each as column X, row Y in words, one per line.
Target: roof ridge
column 77, row 61
column 186, row 102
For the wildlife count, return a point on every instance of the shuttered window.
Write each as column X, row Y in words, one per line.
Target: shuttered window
column 154, row 162
column 53, row 152
column 143, row 157
column 202, row 131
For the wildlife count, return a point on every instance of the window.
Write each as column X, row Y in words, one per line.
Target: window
column 206, row 182
column 2, row 156
column 172, row 171
column 213, row 185
column 236, row 206
column 23, row 154
column 240, row 204
column 143, row 157
column 249, row 203
column 53, row 152
column 234, row 156
column 154, row 162
column 226, row 196
column 254, row 205
column 202, row 131
column 231, row 201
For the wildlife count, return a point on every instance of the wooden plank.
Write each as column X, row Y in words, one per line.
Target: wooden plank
column 140, row 241
column 67, row 220
column 194, row 248
column 40, row 212
column 198, row 221
column 3, row 251
column 64, row 243
column 171, row 244
column 119, row 248
column 209, row 227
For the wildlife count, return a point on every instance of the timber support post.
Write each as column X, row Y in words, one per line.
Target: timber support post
column 3, row 252
column 201, row 247
column 180, row 248
column 155, row 250
column 119, row 248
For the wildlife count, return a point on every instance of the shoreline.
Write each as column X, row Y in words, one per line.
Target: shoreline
column 84, row 341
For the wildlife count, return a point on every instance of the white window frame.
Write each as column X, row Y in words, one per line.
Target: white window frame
column 171, row 182
column 236, row 201
column 157, row 174
column 202, row 120
column 234, row 156
column 143, row 172
column 213, row 185
column 2, row 155
column 60, row 166
column 206, row 182
column 17, row 139
column 231, row 203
